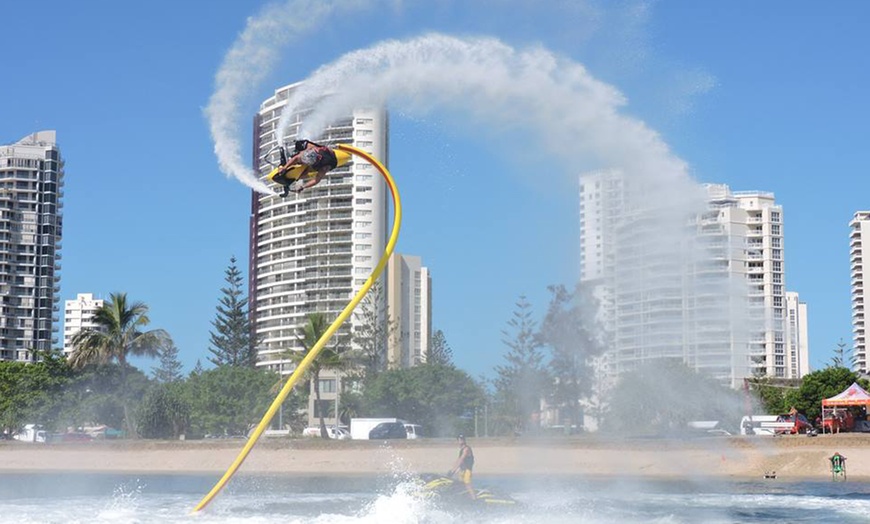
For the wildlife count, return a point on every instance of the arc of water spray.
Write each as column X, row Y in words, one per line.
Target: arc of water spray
column 553, row 101
column 250, row 60
column 303, row 366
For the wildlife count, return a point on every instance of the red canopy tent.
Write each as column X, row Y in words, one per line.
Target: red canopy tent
column 854, row 395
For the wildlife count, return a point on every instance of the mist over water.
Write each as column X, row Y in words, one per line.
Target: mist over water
column 164, row 499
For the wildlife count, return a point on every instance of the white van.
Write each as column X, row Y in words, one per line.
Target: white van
column 31, row 433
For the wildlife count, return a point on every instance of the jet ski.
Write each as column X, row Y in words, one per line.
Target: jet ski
column 452, row 491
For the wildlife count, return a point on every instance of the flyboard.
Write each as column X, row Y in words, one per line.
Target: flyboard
column 343, row 316
column 287, row 176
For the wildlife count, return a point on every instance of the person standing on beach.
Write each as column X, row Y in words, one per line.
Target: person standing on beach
column 464, row 465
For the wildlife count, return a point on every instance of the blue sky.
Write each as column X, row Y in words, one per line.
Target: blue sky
column 759, row 95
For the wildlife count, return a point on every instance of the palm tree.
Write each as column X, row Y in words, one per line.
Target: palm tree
column 118, row 334
column 328, row 358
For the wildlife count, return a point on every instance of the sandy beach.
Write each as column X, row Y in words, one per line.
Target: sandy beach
column 791, row 457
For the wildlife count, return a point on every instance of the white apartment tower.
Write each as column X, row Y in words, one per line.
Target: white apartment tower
column 796, row 336
column 409, row 309
column 78, row 314
column 858, row 236
column 312, row 251
column 712, row 296
column 766, row 278
column 768, row 325
column 31, row 182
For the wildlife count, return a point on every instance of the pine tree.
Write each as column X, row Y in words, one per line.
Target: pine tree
column 170, row 368
column 524, row 380
column 440, row 351
column 569, row 331
column 373, row 331
column 231, row 342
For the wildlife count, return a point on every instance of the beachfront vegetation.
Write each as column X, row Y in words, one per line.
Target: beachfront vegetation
column 524, row 376
column 546, row 371
column 372, row 331
column 117, row 336
column 31, row 391
column 440, row 351
column 170, row 368
column 441, row 397
column 333, row 357
column 231, row 341
column 662, row 396
column 568, row 330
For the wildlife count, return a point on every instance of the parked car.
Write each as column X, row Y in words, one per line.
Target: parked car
column 334, row 433
column 799, row 424
column 386, row 430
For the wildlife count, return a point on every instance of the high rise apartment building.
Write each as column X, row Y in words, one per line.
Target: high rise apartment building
column 310, row 252
column 78, row 314
column 796, row 336
column 711, row 295
column 31, row 182
column 859, row 236
column 753, row 219
column 409, row 307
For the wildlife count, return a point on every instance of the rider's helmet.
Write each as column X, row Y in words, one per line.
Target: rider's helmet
column 300, row 145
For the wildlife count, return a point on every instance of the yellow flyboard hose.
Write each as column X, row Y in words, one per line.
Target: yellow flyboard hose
column 312, row 354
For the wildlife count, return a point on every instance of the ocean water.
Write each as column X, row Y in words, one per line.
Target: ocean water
column 164, row 499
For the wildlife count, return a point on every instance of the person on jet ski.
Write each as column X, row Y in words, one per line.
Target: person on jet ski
column 464, row 465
